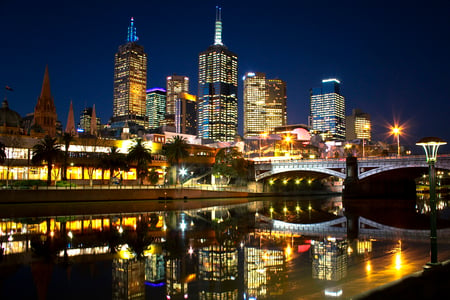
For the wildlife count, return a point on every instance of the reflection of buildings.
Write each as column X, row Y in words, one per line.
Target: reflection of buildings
column 154, row 268
column 128, row 279
column 176, row 285
column 218, row 272
column 329, row 259
column 263, row 272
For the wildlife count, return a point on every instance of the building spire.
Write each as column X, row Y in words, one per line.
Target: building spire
column 70, row 125
column 218, row 31
column 93, row 121
column 45, row 91
column 132, row 37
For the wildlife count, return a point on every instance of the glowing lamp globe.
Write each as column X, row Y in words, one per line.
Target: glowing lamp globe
column 431, row 146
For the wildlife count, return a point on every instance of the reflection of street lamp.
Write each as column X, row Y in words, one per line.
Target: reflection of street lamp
column 396, row 131
column 431, row 145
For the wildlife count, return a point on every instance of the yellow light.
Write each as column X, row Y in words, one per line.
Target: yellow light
column 285, row 209
column 271, row 209
column 288, row 250
column 297, row 208
column 398, row 260
column 368, row 267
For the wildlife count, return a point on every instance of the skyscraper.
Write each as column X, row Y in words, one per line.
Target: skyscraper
column 327, row 109
column 44, row 122
column 276, row 115
column 358, row 125
column 87, row 119
column 176, row 85
column 156, row 107
column 255, row 95
column 130, row 81
column 186, row 114
column 264, row 104
column 217, row 90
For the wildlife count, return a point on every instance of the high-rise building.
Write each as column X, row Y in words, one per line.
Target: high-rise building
column 276, row 114
column 86, row 121
column 130, row 81
column 217, row 90
column 44, row 122
column 255, row 96
column 176, row 85
column 186, row 114
column 155, row 107
column 327, row 109
column 358, row 125
column 264, row 104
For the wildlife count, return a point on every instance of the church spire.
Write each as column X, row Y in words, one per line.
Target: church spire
column 218, row 31
column 45, row 91
column 132, row 37
column 70, row 126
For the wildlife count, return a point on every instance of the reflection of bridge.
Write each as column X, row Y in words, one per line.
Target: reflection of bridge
column 367, row 229
column 337, row 167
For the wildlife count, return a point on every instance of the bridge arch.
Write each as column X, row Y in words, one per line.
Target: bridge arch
column 291, row 170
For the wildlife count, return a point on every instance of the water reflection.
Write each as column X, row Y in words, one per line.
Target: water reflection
column 222, row 252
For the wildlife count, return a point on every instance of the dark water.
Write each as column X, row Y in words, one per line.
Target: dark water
column 160, row 250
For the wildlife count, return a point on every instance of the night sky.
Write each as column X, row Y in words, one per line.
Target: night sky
column 392, row 57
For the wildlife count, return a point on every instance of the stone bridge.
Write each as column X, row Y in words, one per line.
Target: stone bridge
column 367, row 166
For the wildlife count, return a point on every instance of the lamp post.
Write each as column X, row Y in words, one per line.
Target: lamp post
column 396, row 131
column 366, row 127
column 431, row 145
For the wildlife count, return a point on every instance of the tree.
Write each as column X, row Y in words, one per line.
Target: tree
column 141, row 156
column 2, row 153
column 230, row 163
column 175, row 151
column 114, row 161
column 46, row 151
column 66, row 138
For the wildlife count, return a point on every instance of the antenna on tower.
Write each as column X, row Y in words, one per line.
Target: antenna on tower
column 218, row 31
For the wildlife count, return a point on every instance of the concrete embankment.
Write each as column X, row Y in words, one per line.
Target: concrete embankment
column 79, row 195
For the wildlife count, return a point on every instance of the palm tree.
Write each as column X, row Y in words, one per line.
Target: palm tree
column 2, row 153
column 114, row 161
column 46, row 150
column 67, row 138
column 141, row 156
column 175, row 151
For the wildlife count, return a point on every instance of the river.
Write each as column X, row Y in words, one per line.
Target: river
column 208, row 249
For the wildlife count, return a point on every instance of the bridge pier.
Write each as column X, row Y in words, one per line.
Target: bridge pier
column 395, row 185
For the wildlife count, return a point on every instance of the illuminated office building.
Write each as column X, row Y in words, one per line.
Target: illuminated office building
column 327, row 109
column 186, row 114
column 217, row 90
column 255, row 95
column 155, row 107
column 176, row 85
column 358, row 125
column 130, row 81
column 276, row 115
column 264, row 104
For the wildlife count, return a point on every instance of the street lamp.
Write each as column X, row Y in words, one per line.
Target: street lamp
column 365, row 128
column 396, row 131
column 431, row 145
column 288, row 140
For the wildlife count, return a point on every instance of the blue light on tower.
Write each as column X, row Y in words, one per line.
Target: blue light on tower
column 132, row 37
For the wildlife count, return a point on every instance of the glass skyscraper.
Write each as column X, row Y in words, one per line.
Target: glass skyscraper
column 327, row 109
column 130, row 81
column 264, row 104
column 217, row 94
column 155, row 107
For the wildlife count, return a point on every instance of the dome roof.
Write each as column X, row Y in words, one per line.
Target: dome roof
column 8, row 116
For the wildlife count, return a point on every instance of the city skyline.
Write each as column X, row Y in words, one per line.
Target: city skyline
column 391, row 59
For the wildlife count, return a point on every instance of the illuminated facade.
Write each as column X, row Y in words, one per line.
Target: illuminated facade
column 130, row 81
column 264, row 104
column 327, row 109
column 217, row 90
column 358, row 125
column 128, row 279
column 155, row 107
column 176, row 85
column 44, row 122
